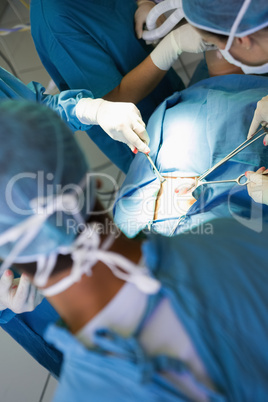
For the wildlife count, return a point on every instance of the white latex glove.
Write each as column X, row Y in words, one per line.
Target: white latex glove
column 260, row 116
column 19, row 295
column 144, row 7
column 258, row 185
column 185, row 185
column 183, row 39
column 120, row 120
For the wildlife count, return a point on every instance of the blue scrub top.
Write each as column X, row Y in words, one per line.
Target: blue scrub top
column 190, row 132
column 64, row 103
column 217, row 285
column 92, row 44
column 28, row 330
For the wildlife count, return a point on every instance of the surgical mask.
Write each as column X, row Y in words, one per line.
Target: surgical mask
column 85, row 251
column 226, row 54
column 244, row 67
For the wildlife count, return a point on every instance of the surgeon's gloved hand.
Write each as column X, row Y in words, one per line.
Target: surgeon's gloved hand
column 144, row 7
column 183, row 39
column 258, row 185
column 260, row 116
column 185, row 185
column 18, row 295
column 120, row 120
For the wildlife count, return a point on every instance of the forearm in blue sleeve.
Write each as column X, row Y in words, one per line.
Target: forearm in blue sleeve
column 6, row 315
column 64, row 104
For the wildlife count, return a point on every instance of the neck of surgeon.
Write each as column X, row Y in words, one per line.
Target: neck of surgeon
column 79, row 303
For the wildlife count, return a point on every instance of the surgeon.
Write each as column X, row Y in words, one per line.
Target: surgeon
column 121, row 121
column 170, row 319
column 151, row 24
column 239, row 29
column 190, row 132
column 93, row 45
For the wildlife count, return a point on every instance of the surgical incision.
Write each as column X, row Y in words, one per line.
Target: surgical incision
column 170, row 204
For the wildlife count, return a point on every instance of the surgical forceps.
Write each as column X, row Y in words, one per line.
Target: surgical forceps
column 225, row 159
column 160, row 177
column 238, row 180
column 242, row 146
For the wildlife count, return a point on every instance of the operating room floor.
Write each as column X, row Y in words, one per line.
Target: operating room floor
column 21, row 377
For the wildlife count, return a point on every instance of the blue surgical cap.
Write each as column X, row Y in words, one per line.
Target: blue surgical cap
column 219, row 15
column 39, row 159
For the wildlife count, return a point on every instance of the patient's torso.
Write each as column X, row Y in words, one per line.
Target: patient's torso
column 168, row 203
column 189, row 134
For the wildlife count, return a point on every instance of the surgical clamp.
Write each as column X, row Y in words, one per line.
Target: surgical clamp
column 245, row 144
column 226, row 158
column 238, row 180
column 235, row 151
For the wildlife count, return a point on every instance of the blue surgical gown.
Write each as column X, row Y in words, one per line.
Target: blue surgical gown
column 64, row 103
column 28, row 330
column 190, row 132
column 92, row 44
column 217, row 286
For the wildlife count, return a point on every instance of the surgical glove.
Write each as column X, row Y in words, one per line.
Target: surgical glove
column 183, row 39
column 120, row 120
column 184, row 185
column 258, row 185
column 260, row 116
column 18, row 295
column 144, row 7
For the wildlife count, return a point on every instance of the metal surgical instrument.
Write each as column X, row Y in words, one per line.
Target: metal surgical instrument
column 225, row 159
column 235, row 151
column 238, row 181
column 160, row 177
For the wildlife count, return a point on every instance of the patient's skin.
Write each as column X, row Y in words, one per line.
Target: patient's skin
column 168, row 203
